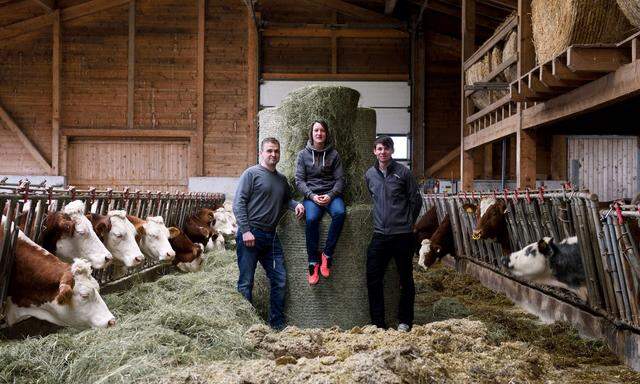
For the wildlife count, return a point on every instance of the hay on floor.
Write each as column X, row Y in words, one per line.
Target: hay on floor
column 558, row 24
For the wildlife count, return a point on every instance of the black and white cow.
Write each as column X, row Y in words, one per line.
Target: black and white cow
column 546, row 262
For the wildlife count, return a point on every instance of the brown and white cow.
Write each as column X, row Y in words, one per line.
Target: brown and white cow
column 440, row 245
column 119, row 236
column 82, row 243
column 44, row 287
column 189, row 256
column 153, row 237
column 426, row 225
column 225, row 229
column 199, row 227
column 492, row 223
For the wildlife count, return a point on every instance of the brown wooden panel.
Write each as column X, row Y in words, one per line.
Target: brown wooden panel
column 225, row 89
column 296, row 54
column 18, row 11
column 373, row 55
column 137, row 163
column 94, row 70
column 25, row 93
column 165, row 68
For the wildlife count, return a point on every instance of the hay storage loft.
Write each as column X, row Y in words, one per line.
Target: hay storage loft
column 478, row 95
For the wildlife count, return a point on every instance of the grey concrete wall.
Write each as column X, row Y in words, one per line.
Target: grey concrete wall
column 226, row 185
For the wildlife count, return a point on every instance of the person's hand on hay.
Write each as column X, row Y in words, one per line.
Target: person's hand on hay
column 248, row 238
column 299, row 211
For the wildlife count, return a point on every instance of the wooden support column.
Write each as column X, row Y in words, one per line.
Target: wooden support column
column 525, row 140
column 55, row 96
column 487, row 169
column 198, row 140
column 418, row 101
column 334, row 46
column 468, row 47
column 559, row 157
column 131, row 60
column 252, row 88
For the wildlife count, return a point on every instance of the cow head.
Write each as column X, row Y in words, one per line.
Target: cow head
column 189, row 256
column 531, row 261
column 153, row 237
column 79, row 303
column 84, row 242
column 225, row 223
column 206, row 216
column 59, row 223
column 121, row 240
column 101, row 225
column 425, row 247
column 433, row 254
column 491, row 217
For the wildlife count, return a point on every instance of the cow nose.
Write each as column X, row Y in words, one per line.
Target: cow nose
column 477, row 234
column 171, row 255
column 138, row 259
column 505, row 262
column 108, row 258
column 111, row 323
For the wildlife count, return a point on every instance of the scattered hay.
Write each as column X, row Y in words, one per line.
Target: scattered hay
column 353, row 131
column 178, row 320
column 558, row 24
column 631, row 9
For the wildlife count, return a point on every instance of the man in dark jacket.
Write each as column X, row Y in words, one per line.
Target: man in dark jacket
column 396, row 203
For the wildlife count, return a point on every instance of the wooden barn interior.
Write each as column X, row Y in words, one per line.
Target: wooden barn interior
column 164, row 95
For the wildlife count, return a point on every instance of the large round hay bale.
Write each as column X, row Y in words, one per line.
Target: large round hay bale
column 559, row 24
column 510, row 49
column 341, row 299
column 631, row 9
column 353, row 131
column 476, row 73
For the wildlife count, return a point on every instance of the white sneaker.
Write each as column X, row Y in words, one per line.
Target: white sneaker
column 402, row 327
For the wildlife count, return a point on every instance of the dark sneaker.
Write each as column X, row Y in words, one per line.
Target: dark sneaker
column 313, row 277
column 325, row 268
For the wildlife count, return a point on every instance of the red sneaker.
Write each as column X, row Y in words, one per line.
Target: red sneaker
column 325, row 268
column 313, row 276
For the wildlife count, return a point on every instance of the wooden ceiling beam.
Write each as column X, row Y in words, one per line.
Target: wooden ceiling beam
column 390, row 6
column 328, row 32
column 353, row 10
column 26, row 26
column 48, row 5
column 89, row 8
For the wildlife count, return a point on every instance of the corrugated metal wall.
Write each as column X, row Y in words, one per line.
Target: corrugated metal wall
column 606, row 165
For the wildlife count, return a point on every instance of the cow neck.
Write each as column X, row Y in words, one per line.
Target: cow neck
column 50, row 236
column 36, row 274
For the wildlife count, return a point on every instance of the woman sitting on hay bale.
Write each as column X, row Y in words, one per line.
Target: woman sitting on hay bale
column 320, row 178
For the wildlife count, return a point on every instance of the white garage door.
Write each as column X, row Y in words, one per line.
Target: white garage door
column 390, row 100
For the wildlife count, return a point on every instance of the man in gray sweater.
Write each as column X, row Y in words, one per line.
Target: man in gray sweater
column 396, row 205
column 262, row 195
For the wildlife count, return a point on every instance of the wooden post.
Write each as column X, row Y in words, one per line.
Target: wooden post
column 525, row 141
column 131, row 63
column 55, row 96
column 487, row 170
column 252, row 88
column 198, row 141
column 418, row 102
column 468, row 47
column 334, row 46
column 559, row 157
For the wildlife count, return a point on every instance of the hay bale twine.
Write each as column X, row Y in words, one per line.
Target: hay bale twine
column 510, row 49
column 341, row 299
column 559, row 24
column 353, row 131
column 631, row 9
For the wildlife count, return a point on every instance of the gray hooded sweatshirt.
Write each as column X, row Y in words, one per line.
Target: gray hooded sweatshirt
column 319, row 172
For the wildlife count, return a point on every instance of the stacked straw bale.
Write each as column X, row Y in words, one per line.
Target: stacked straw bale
column 631, row 9
column 559, row 24
column 490, row 61
column 353, row 131
column 341, row 299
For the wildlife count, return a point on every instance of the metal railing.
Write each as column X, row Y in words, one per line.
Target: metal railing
column 26, row 206
column 607, row 243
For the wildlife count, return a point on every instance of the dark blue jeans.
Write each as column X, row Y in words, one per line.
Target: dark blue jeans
column 314, row 214
column 268, row 251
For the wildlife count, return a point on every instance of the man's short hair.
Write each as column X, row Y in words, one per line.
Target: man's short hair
column 271, row 140
column 386, row 141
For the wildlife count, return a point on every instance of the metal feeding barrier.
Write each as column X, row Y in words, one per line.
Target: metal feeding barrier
column 26, row 206
column 607, row 240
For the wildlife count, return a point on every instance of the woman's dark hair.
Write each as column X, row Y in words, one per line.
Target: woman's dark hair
column 324, row 125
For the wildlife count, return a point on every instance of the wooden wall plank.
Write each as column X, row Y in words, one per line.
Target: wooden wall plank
column 15, row 129
column 252, row 87
column 131, row 60
column 199, row 137
column 55, row 95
